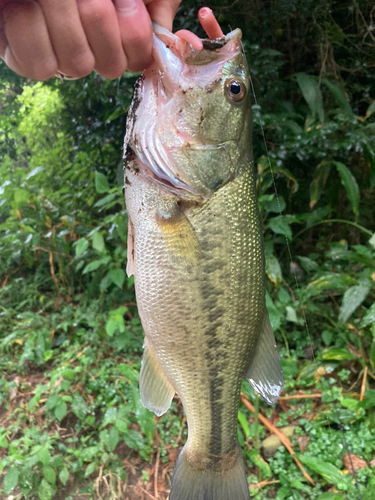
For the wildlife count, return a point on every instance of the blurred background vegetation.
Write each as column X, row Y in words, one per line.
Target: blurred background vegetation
column 71, row 422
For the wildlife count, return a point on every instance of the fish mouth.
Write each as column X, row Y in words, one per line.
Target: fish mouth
column 181, row 64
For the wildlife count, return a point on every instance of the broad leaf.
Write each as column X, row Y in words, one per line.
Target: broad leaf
column 369, row 317
column 92, row 266
column 273, row 269
column 117, row 276
column 49, row 474
column 98, row 241
column 350, row 184
column 312, row 94
column 64, row 475
column 81, row 246
column 318, row 183
column 328, row 471
column 339, row 97
column 279, row 225
column 260, row 462
column 45, row 490
column 353, row 298
column 101, row 183
column 11, row 479
column 327, row 282
column 90, row 469
column 338, row 355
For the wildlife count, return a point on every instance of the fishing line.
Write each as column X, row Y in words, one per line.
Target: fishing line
column 345, row 444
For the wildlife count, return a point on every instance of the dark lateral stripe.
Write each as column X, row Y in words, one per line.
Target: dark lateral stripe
column 216, row 386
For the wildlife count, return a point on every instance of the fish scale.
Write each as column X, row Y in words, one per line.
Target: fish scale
column 198, row 263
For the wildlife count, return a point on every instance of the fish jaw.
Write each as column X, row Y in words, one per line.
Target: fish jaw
column 173, row 125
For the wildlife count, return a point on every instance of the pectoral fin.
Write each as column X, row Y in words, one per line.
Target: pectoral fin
column 156, row 392
column 265, row 373
column 179, row 235
column 130, row 254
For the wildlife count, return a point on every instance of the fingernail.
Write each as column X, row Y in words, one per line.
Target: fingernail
column 126, row 8
column 204, row 12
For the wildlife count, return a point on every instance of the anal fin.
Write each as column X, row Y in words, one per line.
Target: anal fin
column 156, row 392
column 179, row 235
column 265, row 373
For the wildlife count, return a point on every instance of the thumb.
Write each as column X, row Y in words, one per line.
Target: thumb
column 162, row 11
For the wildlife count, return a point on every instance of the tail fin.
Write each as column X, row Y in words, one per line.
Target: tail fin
column 208, row 484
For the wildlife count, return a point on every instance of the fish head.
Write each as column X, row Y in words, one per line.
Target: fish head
column 192, row 124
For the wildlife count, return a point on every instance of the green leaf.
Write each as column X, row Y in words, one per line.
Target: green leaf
column 3, row 442
column 34, row 172
column 60, row 411
column 244, row 424
column 276, row 205
column 98, row 241
column 107, row 199
column 369, row 317
column 318, row 183
column 274, row 314
column 64, row 475
column 134, row 440
column 353, row 298
column 45, row 490
column 49, row 474
column 260, row 462
column 90, row 469
column 81, row 246
column 279, row 225
column 92, row 266
column 11, row 479
column 372, row 241
column 116, row 113
column 309, row 265
column 44, row 456
column 273, row 269
column 330, row 496
column 25, row 481
column 337, row 355
column 370, row 109
column 372, row 353
column 79, row 407
column 117, row 276
column 122, row 426
column 291, row 315
column 101, row 183
column 21, row 196
column 339, row 97
column 327, row 282
column 312, row 94
column 350, row 184
column 328, row 471
column 113, row 439
column 111, row 326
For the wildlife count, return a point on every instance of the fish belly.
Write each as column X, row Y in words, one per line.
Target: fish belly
column 201, row 318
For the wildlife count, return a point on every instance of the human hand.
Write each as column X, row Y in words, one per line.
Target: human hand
column 39, row 38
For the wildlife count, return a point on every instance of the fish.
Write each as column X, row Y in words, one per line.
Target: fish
column 195, row 249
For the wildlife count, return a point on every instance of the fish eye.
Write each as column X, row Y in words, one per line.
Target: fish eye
column 235, row 89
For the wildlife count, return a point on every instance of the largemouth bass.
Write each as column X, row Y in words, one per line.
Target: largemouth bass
column 195, row 249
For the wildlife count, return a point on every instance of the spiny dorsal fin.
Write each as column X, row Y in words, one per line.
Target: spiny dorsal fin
column 265, row 373
column 156, row 392
column 179, row 235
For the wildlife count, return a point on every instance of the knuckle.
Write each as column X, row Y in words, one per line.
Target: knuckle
column 44, row 69
column 94, row 11
column 112, row 71
column 81, row 64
